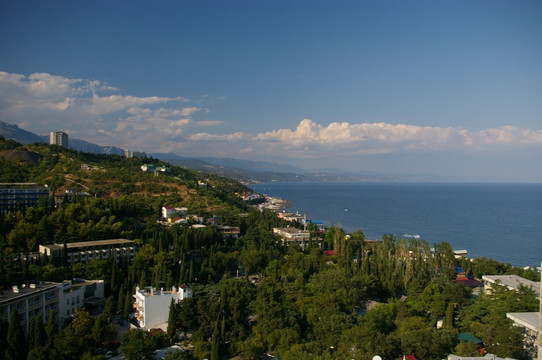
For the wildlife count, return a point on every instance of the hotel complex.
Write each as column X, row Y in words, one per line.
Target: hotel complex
column 85, row 251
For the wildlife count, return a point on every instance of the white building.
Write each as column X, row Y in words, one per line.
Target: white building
column 40, row 297
column 131, row 154
column 169, row 211
column 511, row 282
column 78, row 293
column 291, row 235
column 152, row 306
column 528, row 322
column 58, row 138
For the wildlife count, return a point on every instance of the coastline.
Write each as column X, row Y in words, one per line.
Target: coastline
column 498, row 221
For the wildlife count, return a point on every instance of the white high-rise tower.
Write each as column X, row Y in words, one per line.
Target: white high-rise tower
column 58, row 138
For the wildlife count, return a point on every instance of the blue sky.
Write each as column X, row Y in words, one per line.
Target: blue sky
column 447, row 88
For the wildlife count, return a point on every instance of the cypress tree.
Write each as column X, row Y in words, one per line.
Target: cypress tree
column 15, row 349
column 3, row 334
column 120, row 298
column 40, row 337
column 449, row 319
column 171, row 321
column 51, row 328
column 31, row 333
column 127, row 304
column 215, row 341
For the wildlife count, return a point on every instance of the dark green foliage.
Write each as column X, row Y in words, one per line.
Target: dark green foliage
column 15, row 340
column 171, row 320
column 137, row 345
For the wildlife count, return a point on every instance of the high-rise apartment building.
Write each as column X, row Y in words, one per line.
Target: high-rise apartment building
column 58, row 138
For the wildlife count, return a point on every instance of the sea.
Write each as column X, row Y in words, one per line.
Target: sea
column 495, row 220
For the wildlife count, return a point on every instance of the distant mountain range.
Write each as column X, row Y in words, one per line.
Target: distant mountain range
column 246, row 171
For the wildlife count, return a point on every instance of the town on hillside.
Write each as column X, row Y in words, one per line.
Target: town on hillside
column 128, row 257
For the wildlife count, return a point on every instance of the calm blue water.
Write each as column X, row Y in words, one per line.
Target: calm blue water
column 500, row 221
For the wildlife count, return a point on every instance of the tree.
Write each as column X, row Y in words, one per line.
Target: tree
column 216, row 342
column 51, row 328
column 16, row 347
column 136, row 345
column 171, row 320
column 82, row 323
column 128, row 304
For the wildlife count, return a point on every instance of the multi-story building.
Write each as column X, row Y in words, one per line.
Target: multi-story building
column 58, row 138
column 40, row 297
column 21, row 195
column 131, row 154
column 169, row 211
column 85, row 251
column 290, row 235
column 30, row 300
column 152, row 306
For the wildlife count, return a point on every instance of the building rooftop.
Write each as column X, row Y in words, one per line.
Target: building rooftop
column 82, row 244
column 513, row 282
column 26, row 290
column 525, row 319
column 291, row 230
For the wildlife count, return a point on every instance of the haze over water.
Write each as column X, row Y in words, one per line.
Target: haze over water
column 500, row 221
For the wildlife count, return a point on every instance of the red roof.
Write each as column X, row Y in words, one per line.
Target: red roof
column 469, row 282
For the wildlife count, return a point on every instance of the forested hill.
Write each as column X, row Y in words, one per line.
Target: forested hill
column 113, row 177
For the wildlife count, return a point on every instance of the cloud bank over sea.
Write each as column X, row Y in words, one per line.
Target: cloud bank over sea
column 99, row 112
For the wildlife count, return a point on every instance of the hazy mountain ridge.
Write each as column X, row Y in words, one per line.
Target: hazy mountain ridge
column 247, row 171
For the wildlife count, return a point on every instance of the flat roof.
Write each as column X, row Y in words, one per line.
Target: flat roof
column 513, row 282
column 291, row 230
column 525, row 319
column 33, row 288
column 90, row 243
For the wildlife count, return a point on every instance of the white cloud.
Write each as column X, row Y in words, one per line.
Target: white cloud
column 312, row 140
column 87, row 109
column 43, row 102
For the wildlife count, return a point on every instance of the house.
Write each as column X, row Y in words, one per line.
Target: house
column 148, row 167
column 85, row 251
column 478, row 344
column 169, row 211
column 291, row 235
column 230, row 231
column 152, row 306
column 469, row 281
column 67, row 196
